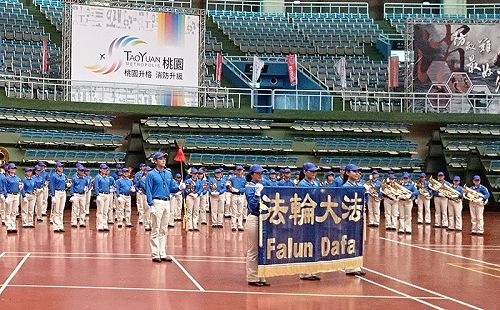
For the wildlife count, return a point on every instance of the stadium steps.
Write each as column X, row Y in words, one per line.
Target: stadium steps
column 386, row 26
column 228, row 46
column 55, row 35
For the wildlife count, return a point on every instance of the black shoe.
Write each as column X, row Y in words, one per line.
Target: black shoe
column 171, row 225
column 12, row 231
column 259, row 283
column 166, row 259
column 311, row 278
column 61, row 230
column 147, row 229
column 129, row 225
column 220, row 226
column 106, row 229
column 233, row 229
column 100, row 229
column 241, row 229
column 156, row 260
column 419, row 223
column 74, row 226
column 356, row 273
column 408, row 232
column 39, row 220
column 82, row 225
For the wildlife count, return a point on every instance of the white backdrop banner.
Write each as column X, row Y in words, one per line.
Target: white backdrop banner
column 132, row 56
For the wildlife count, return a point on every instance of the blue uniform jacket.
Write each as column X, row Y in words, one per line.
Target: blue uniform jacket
column 28, row 186
column 57, row 182
column 159, row 185
column 102, row 184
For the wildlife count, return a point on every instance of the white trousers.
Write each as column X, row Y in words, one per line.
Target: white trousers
column 39, row 205
column 88, row 195
column 405, row 207
column 476, row 217
column 391, row 212
column 176, row 206
column 237, row 205
column 78, row 209
column 455, row 214
column 203, row 208
column 45, row 199
column 217, row 204
column 424, row 209
column 227, row 204
column 373, row 211
column 140, row 206
column 112, row 208
column 193, row 211
column 252, row 236
column 441, row 214
column 28, row 210
column 102, row 201
column 159, row 221
column 124, row 209
column 58, row 213
column 147, row 212
column 11, row 206
column 2, row 209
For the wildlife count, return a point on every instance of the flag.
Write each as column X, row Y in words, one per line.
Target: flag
column 393, row 72
column 180, row 153
column 340, row 68
column 291, row 61
column 258, row 64
column 218, row 68
column 45, row 56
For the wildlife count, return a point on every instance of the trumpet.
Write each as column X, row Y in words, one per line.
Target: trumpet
column 372, row 191
column 423, row 190
column 446, row 190
column 471, row 194
column 395, row 191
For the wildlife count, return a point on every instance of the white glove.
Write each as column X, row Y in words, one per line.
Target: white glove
column 2, row 197
column 132, row 189
column 234, row 190
column 258, row 189
column 85, row 189
column 152, row 210
column 454, row 196
column 440, row 195
column 21, row 186
column 182, row 186
column 72, row 198
column 46, row 183
column 111, row 190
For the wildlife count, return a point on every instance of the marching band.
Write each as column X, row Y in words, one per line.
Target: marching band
column 223, row 194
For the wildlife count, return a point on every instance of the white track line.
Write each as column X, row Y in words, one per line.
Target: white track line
column 126, row 254
column 4, row 285
column 457, row 245
column 188, row 274
column 2, row 254
column 424, row 289
column 127, row 258
column 216, row 291
column 440, row 252
column 401, row 293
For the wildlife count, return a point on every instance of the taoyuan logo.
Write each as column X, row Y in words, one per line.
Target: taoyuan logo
column 111, row 60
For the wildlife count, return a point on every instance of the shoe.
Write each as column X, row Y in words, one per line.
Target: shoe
column 311, row 278
column 140, row 223
column 458, row 229
column 105, row 229
column 82, row 225
column 214, row 225
column 388, row 228
column 473, row 233
column 171, row 225
column 220, row 225
column 156, row 260
column 203, row 223
column 401, row 232
column 233, row 229
column 10, row 231
column 375, row 225
column 147, row 229
column 129, row 225
column 241, row 229
column 197, row 229
column 39, row 220
column 479, row 233
column 419, row 223
column 408, row 232
column 44, row 214
column 74, row 225
column 356, row 273
column 259, row 283
column 111, row 222
column 61, row 230
column 166, row 259
column 100, row 229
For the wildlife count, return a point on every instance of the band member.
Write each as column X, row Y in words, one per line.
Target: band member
column 176, row 202
column 141, row 191
column 203, row 196
column 45, row 176
column 193, row 192
column 441, row 204
column 352, row 176
column 374, row 199
column 286, row 178
column 406, row 204
column 77, row 194
column 391, row 205
column 103, row 184
column 28, row 198
column 423, row 200
column 477, row 206
column 227, row 198
column 339, row 180
column 455, row 206
column 124, row 188
column 139, row 195
column 12, row 188
column 309, row 174
column 159, row 185
column 252, row 192
column 39, row 185
column 237, row 189
column 329, row 179
column 217, row 190
column 273, row 178
column 57, row 189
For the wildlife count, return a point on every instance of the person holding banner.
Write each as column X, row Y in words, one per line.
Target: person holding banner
column 310, row 172
column 339, row 180
column 351, row 179
column 286, row 178
column 329, row 179
column 253, row 191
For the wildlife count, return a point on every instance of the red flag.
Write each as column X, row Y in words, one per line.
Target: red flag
column 291, row 61
column 180, row 155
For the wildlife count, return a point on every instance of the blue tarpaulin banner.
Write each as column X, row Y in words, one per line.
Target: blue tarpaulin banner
column 309, row 230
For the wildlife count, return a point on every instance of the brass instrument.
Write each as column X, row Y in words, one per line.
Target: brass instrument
column 394, row 190
column 423, row 190
column 4, row 156
column 471, row 194
column 372, row 191
column 446, row 190
column 190, row 187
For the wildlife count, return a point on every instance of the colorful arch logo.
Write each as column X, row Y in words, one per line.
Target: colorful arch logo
column 114, row 65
